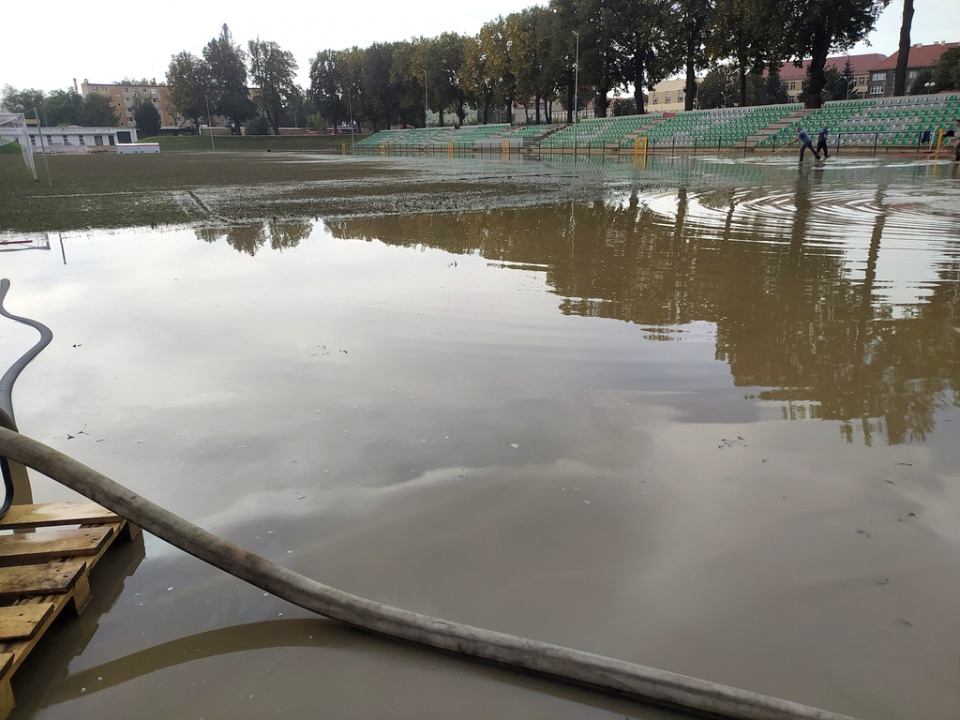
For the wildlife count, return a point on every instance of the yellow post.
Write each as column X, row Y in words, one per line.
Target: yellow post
column 450, row 150
column 505, row 148
column 636, row 147
column 343, row 148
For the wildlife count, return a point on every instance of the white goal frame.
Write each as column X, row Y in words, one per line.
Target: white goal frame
column 13, row 127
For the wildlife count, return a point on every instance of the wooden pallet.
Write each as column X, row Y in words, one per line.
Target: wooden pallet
column 46, row 555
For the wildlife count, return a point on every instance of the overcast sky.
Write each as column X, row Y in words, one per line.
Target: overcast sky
column 105, row 44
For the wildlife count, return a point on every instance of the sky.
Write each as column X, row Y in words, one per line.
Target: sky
column 105, row 47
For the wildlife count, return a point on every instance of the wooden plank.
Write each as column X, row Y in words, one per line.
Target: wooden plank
column 6, row 691
column 54, row 577
column 48, row 544
column 49, row 514
column 20, row 622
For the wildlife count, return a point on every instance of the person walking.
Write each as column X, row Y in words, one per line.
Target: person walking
column 806, row 144
column 956, row 141
column 822, row 142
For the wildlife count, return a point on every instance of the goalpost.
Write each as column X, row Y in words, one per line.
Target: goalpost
column 13, row 128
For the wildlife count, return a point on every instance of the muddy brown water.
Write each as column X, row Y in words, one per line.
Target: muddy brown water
column 700, row 415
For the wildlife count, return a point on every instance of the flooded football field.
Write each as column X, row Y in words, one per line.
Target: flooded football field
column 697, row 413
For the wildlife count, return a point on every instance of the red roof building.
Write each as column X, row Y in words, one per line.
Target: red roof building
column 920, row 57
column 793, row 77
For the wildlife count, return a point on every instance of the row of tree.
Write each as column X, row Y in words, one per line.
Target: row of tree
column 60, row 107
column 574, row 51
column 569, row 49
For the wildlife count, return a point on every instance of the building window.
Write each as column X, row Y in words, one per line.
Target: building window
column 793, row 85
column 679, row 95
column 656, row 98
column 666, row 97
column 126, row 90
column 911, row 74
column 876, row 89
column 154, row 91
column 83, row 140
column 878, row 77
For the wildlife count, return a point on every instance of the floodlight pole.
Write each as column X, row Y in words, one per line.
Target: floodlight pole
column 426, row 105
column 576, row 90
column 43, row 148
column 350, row 101
column 209, row 122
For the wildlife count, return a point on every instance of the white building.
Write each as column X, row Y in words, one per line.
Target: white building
column 78, row 140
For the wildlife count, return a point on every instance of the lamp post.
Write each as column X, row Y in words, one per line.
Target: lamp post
column 426, row 105
column 350, row 102
column 850, row 85
column 576, row 90
column 927, row 86
column 209, row 122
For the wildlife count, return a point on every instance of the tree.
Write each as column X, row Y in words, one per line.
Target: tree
column 745, row 32
column 774, row 91
column 273, row 71
column 229, row 95
column 818, row 27
column 624, row 106
column 257, row 126
column 442, row 60
column 97, row 111
column 379, row 100
column 406, row 77
column 20, row 101
column 600, row 26
column 328, row 86
column 903, row 55
column 652, row 52
column 63, row 107
column 719, row 87
column 189, row 79
column 541, row 58
column 147, row 116
column 918, row 87
column 695, row 16
column 947, row 74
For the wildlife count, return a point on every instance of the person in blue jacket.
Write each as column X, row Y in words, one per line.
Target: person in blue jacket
column 805, row 144
column 822, row 141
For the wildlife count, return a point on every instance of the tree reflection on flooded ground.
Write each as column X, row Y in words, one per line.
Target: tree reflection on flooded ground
column 700, row 416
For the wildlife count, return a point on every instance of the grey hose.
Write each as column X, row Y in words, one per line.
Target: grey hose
column 6, row 390
column 582, row 668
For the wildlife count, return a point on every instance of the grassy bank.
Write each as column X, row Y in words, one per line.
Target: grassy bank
column 297, row 143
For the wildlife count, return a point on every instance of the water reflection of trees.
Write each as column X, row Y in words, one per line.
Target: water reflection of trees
column 250, row 238
column 789, row 316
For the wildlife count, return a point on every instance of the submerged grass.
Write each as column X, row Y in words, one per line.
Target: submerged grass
column 108, row 190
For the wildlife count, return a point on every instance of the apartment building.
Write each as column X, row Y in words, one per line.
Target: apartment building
column 920, row 57
column 667, row 96
column 122, row 98
column 793, row 77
